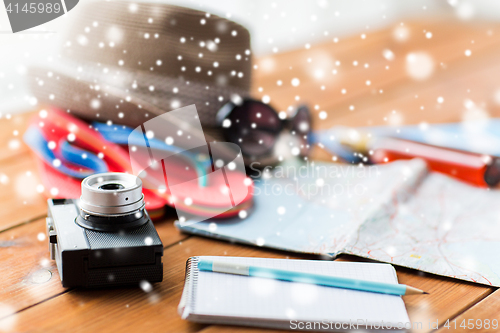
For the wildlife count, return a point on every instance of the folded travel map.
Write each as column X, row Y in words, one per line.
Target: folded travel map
column 397, row 213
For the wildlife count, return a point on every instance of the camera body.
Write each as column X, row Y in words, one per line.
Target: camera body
column 106, row 238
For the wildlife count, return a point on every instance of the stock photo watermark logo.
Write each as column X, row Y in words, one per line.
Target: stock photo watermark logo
column 313, row 181
column 26, row 14
column 201, row 180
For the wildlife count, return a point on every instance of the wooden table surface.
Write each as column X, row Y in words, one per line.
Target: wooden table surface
column 31, row 295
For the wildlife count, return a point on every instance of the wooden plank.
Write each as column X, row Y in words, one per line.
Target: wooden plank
column 483, row 317
column 305, row 62
column 13, row 127
column 446, row 48
column 448, row 297
column 19, row 199
column 467, row 93
column 129, row 309
column 112, row 309
column 29, row 276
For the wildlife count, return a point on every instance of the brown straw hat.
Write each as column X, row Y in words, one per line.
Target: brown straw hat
column 128, row 62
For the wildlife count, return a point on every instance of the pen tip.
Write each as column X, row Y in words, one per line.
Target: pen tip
column 425, row 293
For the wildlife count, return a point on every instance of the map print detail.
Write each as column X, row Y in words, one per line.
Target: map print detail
column 397, row 213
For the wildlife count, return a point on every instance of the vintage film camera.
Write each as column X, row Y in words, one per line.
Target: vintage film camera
column 106, row 238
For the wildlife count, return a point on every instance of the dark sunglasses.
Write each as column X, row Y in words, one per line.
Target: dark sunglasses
column 256, row 126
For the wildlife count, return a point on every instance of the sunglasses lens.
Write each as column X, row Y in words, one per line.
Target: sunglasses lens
column 254, row 126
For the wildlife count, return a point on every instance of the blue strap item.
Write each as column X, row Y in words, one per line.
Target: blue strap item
column 85, row 160
column 90, row 163
column 82, row 157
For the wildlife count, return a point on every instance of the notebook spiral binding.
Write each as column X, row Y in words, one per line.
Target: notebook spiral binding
column 187, row 302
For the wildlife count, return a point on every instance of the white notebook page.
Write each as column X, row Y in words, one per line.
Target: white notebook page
column 218, row 294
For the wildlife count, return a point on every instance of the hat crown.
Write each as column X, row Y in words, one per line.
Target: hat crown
column 163, row 39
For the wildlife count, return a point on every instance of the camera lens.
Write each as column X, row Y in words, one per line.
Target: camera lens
column 110, row 187
column 111, row 201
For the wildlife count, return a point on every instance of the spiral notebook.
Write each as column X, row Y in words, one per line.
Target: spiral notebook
column 218, row 298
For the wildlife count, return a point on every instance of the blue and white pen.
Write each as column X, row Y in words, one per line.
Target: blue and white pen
column 293, row 276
